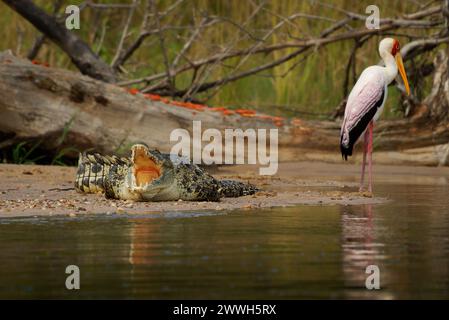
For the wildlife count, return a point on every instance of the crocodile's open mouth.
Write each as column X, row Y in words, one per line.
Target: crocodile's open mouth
column 145, row 169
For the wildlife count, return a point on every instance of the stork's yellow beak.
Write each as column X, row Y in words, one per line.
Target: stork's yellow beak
column 400, row 65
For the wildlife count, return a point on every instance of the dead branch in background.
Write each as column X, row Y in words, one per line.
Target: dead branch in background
column 124, row 33
column 40, row 39
column 387, row 25
column 80, row 53
column 146, row 30
column 222, row 64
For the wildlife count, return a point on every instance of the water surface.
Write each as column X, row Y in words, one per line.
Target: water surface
column 289, row 253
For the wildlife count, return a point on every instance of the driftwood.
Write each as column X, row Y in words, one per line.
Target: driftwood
column 38, row 102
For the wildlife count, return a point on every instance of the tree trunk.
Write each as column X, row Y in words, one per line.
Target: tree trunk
column 438, row 99
column 80, row 53
column 56, row 105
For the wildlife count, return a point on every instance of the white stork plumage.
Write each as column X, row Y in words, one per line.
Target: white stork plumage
column 366, row 102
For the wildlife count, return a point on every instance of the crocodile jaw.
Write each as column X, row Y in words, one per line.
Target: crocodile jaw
column 147, row 177
column 145, row 168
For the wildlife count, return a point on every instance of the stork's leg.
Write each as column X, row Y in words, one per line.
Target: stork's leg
column 365, row 149
column 370, row 156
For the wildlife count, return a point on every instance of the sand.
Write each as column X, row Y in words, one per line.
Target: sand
column 30, row 190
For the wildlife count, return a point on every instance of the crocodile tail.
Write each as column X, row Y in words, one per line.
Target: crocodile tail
column 233, row 189
column 93, row 171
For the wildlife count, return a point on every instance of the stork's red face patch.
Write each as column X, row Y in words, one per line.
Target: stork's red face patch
column 396, row 48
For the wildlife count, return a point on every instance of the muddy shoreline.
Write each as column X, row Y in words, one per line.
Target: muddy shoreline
column 29, row 190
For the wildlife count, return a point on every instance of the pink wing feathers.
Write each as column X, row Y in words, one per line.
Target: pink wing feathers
column 365, row 99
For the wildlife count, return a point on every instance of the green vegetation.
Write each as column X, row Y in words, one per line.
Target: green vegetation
column 33, row 151
column 313, row 86
column 23, row 153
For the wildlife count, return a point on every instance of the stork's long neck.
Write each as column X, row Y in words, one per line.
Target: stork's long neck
column 391, row 69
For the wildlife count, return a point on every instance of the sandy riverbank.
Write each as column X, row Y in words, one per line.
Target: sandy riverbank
column 28, row 190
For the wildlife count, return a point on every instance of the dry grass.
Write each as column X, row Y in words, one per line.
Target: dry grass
column 312, row 86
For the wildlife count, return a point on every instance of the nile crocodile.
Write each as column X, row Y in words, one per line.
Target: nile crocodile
column 149, row 175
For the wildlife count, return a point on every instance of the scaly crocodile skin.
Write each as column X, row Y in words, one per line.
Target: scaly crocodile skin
column 179, row 179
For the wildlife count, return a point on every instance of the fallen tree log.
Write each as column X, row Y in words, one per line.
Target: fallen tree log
column 38, row 102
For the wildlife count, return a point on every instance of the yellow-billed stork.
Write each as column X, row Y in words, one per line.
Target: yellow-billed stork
column 366, row 102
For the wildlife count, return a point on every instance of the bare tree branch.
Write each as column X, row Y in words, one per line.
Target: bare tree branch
column 387, row 26
column 146, row 30
column 170, row 77
column 124, row 34
column 80, row 53
column 189, row 42
column 40, row 39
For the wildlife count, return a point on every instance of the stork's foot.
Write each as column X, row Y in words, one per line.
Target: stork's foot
column 366, row 194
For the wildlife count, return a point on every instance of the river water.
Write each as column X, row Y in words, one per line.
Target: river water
column 292, row 253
